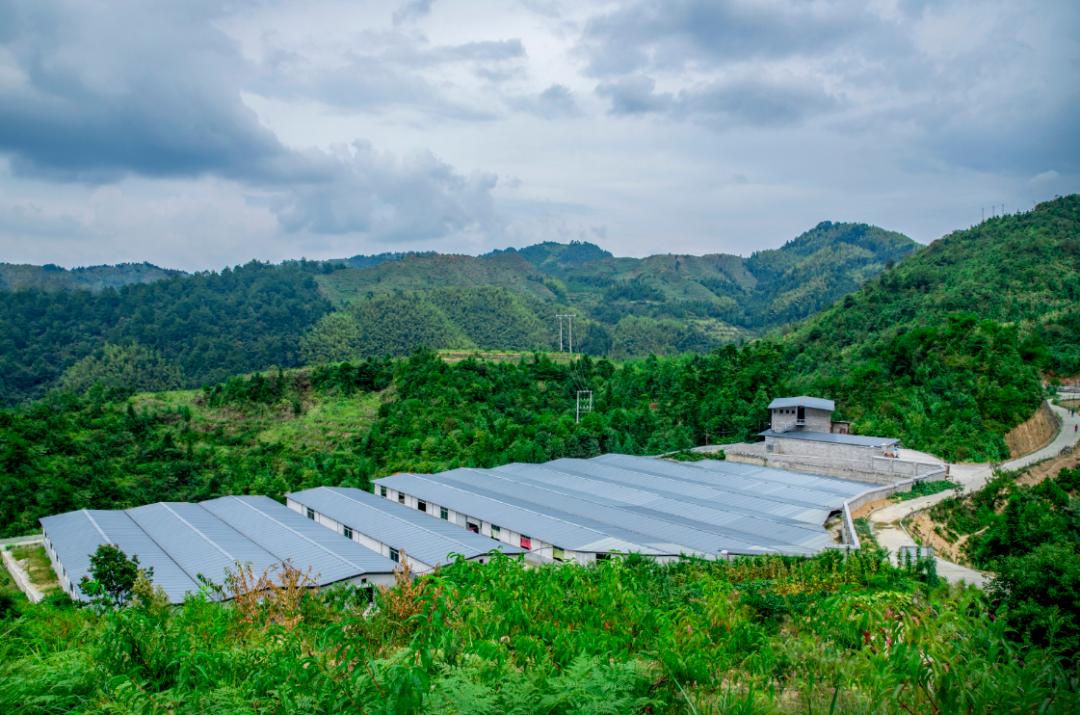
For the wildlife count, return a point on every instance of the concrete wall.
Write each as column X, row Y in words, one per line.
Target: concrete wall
column 784, row 419
column 840, row 460
column 901, row 487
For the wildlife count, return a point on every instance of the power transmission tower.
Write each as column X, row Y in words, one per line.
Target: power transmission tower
column 583, row 405
column 569, row 317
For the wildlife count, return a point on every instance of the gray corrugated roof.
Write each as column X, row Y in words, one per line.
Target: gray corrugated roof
column 424, row 537
column 857, row 440
column 182, row 541
column 814, row 403
column 569, row 534
column 657, row 505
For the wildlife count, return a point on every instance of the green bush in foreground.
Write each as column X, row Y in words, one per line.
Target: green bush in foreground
column 771, row 635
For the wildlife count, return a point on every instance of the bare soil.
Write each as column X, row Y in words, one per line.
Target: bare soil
column 1033, row 434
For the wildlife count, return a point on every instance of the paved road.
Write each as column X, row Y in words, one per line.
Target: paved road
column 972, row 477
column 18, row 540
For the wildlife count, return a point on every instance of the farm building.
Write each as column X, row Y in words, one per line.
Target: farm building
column 416, row 536
column 183, row 541
column 803, row 436
column 584, row 509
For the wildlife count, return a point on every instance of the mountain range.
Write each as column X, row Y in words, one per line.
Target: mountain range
column 206, row 326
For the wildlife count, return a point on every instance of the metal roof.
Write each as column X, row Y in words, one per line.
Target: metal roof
column 567, row 533
column 424, row 537
column 857, row 440
column 656, row 506
column 814, row 403
column 183, row 541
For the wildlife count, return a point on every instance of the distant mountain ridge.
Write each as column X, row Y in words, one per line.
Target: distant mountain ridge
column 208, row 325
column 52, row 277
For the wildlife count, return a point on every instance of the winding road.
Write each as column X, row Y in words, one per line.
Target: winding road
column 885, row 521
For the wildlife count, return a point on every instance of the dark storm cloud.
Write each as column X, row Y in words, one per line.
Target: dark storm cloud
column 94, row 101
column 681, row 33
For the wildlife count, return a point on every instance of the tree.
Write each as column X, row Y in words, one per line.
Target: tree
column 113, row 576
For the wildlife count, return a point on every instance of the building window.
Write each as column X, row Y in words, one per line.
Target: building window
column 310, row 513
column 495, row 530
column 526, row 542
column 443, row 513
column 558, row 554
column 401, row 497
column 421, row 505
column 382, row 492
column 347, row 531
column 472, row 526
column 395, row 556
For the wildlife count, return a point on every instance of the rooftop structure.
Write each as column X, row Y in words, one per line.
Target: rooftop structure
column 855, row 440
column 416, row 535
column 814, row 403
column 579, row 509
column 182, row 541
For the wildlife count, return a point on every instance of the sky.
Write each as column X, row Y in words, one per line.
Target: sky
column 202, row 134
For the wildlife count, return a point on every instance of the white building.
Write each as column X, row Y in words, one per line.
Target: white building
column 185, row 543
column 412, row 534
column 581, row 510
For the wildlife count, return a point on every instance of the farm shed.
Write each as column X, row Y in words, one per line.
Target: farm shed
column 182, row 541
column 583, row 509
column 417, row 535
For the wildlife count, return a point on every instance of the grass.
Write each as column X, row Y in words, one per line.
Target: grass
column 326, row 422
column 689, row 455
column 864, row 532
column 923, row 489
column 37, row 565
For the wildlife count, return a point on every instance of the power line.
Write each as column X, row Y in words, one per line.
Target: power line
column 569, row 318
column 583, row 406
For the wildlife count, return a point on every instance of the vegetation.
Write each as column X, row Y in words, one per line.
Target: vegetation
column 113, row 575
column 346, row 423
column 767, row 635
column 203, row 328
column 54, row 278
column 208, row 326
column 923, row 489
column 1029, row 535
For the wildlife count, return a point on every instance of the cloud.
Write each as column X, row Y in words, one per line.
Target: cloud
column 85, row 99
column 95, row 100
column 643, row 36
column 760, row 102
column 378, row 195
column 555, row 102
column 412, row 10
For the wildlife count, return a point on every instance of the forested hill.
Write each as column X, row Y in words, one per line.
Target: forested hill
column 946, row 347
column 52, row 277
column 155, row 328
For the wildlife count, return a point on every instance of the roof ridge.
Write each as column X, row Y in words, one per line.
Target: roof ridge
column 394, row 516
column 297, row 533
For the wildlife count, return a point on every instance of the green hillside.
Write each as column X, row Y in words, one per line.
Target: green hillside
column 627, row 307
column 202, row 328
column 946, row 348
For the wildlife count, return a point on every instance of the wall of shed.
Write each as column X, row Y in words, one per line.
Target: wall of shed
column 59, row 569
column 364, row 539
column 540, row 551
column 783, row 419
